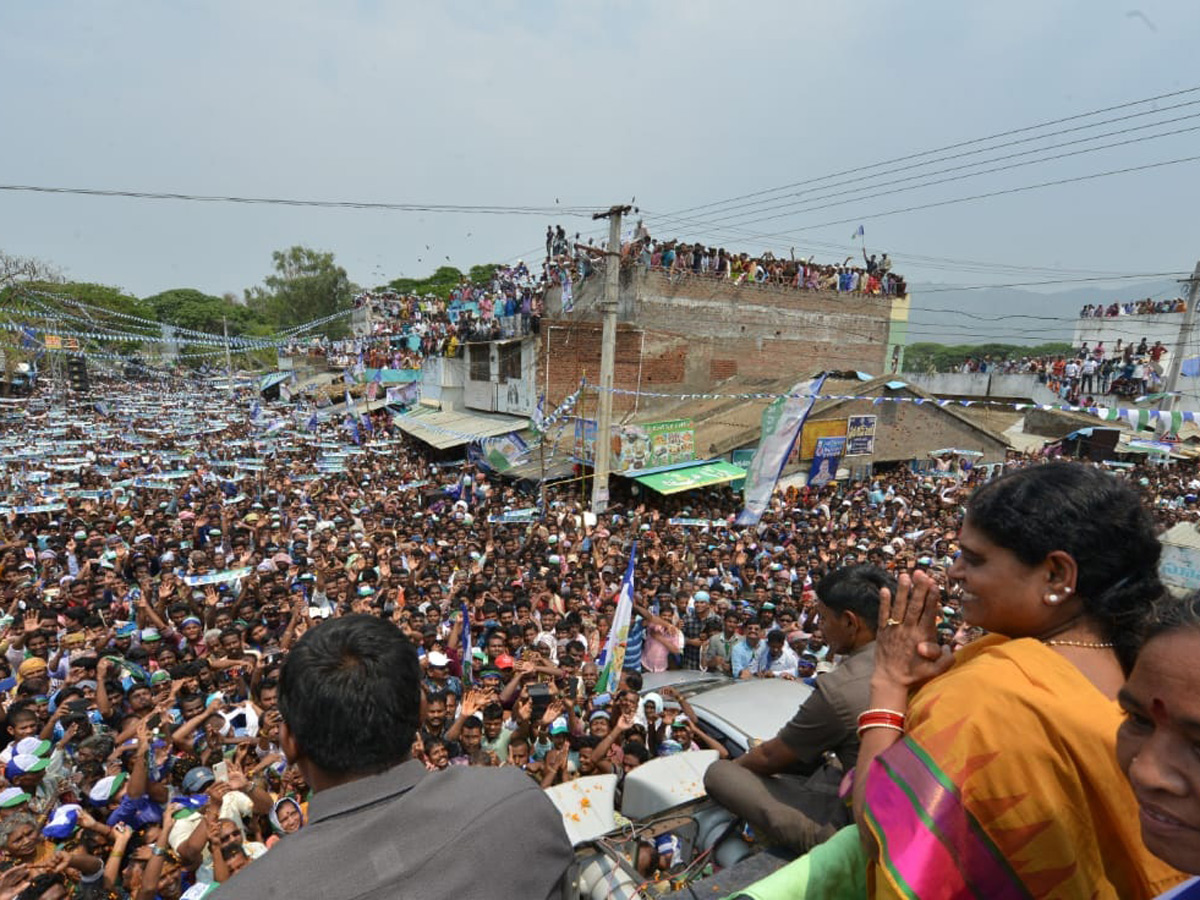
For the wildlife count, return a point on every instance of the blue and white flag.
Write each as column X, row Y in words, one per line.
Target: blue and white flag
column 612, row 659
column 781, row 424
column 539, row 413
column 312, row 422
column 861, row 232
column 465, row 612
column 255, row 412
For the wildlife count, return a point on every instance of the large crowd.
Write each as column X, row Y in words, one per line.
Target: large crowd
column 163, row 554
column 571, row 258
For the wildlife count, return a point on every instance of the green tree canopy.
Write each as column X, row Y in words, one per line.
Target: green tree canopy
column 440, row 283
column 483, row 274
column 307, row 284
column 189, row 308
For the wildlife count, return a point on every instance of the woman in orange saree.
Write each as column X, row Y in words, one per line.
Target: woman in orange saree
column 998, row 778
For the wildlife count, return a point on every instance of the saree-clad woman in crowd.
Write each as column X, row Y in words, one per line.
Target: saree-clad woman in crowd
column 992, row 772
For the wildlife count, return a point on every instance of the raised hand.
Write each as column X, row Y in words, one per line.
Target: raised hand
column 907, row 653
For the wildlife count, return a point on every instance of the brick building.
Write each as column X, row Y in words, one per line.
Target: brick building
column 679, row 334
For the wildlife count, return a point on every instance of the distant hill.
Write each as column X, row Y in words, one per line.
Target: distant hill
column 947, row 315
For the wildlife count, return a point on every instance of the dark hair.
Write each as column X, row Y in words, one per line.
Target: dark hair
column 856, row 589
column 350, row 693
column 637, row 750
column 41, row 884
column 633, row 678
column 24, row 711
column 1095, row 517
column 1173, row 614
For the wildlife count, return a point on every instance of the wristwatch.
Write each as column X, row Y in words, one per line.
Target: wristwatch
column 159, row 851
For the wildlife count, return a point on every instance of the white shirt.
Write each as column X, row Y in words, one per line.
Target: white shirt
column 787, row 663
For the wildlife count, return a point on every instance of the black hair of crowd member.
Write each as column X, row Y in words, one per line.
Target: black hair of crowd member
column 856, row 589
column 350, row 694
column 1099, row 520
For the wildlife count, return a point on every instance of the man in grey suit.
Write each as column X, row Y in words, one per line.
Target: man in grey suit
column 380, row 825
column 786, row 788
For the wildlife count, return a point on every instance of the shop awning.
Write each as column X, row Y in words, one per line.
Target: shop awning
column 687, row 479
column 453, row 428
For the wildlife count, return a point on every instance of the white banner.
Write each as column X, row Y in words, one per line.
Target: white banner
column 781, row 424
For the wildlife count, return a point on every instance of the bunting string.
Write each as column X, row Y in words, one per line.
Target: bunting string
column 1137, row 417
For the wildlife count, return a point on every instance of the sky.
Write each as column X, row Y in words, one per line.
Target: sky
column 670, row 104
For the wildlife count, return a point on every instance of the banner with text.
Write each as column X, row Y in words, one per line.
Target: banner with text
column 645, row 445
column 860, row 436
column 782, row 422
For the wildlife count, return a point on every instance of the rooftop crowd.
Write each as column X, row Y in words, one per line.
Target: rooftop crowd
column 680, row 259
column 185, row 554
column 403, row 329
column 1147, row 307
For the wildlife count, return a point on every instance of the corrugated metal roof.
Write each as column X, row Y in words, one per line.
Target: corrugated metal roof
column 1182, row 535
column 453, row 428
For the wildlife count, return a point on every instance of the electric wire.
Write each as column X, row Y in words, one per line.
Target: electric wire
column 968, row 143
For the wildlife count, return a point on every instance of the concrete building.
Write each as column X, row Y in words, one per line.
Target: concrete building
column 683, row 333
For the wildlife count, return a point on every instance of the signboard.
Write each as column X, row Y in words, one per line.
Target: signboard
column 826, row 456
column 1179, row 568
column 743, row 458
column 646, row 445
column 676, row 480
column 53, row 342
column 860, row 436
column 813, row 432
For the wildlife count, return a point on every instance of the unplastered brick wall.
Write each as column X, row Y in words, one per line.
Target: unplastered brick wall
column 683, row 336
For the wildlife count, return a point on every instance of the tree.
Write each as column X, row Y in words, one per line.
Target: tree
column 483, row 274
column 439, row 284
column 17, row 269
column 189, row 308
column 307, row 285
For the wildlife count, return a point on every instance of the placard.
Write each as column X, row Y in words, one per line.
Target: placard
column 860, row 436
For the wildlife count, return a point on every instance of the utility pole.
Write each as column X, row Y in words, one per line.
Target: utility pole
column 228, row 357
column 1167, row 403
column 608, row 357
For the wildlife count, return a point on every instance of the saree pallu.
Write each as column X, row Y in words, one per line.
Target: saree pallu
column 1006, row 785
